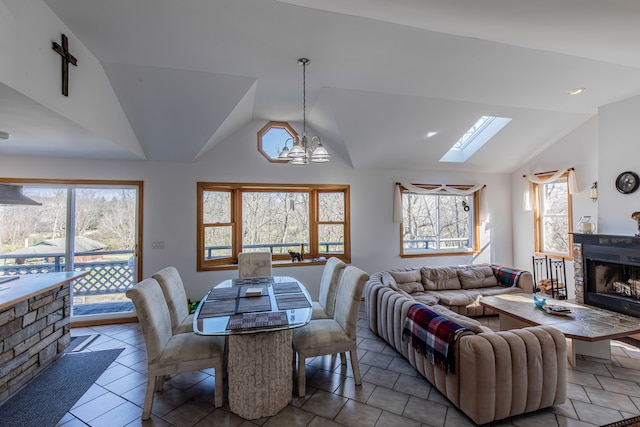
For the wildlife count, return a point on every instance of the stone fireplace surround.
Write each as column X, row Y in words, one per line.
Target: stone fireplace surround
column 604, row 249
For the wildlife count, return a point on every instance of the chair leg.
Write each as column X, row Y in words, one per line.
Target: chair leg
column 160, row 382
column 343, row 358
column 302, row 376
column 354, row 366
column 219, row 387
column 293, row 362
column 148, row 397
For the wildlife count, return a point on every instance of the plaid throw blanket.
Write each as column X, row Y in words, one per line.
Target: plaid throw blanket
column 432, row 335
column 506, row 276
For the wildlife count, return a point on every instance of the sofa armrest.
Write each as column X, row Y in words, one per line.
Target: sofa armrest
column 525, row 282
column 511, row 372
column 507, row 276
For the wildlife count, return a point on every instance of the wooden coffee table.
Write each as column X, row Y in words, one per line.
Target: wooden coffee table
column 588, row 329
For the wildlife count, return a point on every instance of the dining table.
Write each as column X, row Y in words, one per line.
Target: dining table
column 257, row 315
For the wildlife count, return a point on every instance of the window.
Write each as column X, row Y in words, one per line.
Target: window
column 79, row 226
column 552, row 211
column 232, row 218
column 474, row 138
column 273, row 137
column 436, row 224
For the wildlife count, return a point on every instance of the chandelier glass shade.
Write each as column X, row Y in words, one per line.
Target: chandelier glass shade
column 303, row 151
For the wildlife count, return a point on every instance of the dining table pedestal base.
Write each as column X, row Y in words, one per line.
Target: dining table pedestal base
column 260, row 373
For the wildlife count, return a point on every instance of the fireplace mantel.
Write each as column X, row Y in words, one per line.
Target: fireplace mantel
column 631, row 242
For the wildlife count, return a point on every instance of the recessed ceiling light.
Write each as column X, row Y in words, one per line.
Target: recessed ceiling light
column 432, row 133
column 575, row 91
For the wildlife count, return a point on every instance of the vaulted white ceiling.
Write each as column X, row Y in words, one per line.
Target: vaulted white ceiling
column 383, row 73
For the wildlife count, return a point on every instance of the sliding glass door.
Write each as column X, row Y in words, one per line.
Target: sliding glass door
column 78, row 227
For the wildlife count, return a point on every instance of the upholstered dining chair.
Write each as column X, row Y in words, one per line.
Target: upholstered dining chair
column 337, row 335
column 168, row 353
column 254, row 264
column 324, row 307
column 173, row 289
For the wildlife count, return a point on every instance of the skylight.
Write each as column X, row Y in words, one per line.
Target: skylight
column 474, row 138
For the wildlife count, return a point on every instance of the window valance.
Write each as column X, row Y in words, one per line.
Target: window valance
column 458, row 190
column 547, row 178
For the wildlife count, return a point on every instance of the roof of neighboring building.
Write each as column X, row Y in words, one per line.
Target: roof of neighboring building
column 58, row 245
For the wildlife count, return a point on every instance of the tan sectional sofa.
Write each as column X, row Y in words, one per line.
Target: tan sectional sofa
column 458, row 288
column 497, row 374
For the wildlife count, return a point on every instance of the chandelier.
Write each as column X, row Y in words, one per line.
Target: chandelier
column 302, row 150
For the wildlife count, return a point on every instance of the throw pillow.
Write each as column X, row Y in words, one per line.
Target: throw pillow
column 408, row 281
column 477, row 276
column 439, row 278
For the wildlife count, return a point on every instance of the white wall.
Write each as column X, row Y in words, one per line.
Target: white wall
column 600, row 150
column 31, row 67
column 619, row 152
column 579, row 150
column 170, row 205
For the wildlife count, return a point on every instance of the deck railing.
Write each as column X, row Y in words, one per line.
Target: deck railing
column 107, row 277
column 276, row 248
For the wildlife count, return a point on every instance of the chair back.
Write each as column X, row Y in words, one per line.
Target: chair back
column 329, row 284
column 348, row 299
column 254, row 264
column 153, row 315
column 173, row 289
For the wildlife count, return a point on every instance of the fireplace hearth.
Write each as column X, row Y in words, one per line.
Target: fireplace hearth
column 607, row 272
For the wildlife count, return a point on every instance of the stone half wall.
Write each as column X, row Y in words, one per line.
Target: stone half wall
column 33, row 333
column 578, row 272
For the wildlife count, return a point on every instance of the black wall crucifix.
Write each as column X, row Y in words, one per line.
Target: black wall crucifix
column 66, row 59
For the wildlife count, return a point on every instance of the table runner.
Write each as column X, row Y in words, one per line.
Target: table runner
column 257, row 320
column 246, row 305
column 243, row 290
column 253, row 281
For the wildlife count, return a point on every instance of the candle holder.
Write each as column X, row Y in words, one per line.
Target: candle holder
column 586, row 226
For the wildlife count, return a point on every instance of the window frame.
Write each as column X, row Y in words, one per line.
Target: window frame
column 538, row 218
column 275, row 125
column 474, row 229
column 237, row 189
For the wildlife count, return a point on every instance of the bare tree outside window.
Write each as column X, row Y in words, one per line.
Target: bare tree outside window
column 34, row 239
column 278, row 221
column 554, row 217
column 278, row 218
column 434, row 222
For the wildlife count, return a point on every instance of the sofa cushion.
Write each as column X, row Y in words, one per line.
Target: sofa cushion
column 477, row 276
column 497, row 290
column 467, row 322
column 439, row 278
column 453, row 297
column 408, row 281
column 426, row 298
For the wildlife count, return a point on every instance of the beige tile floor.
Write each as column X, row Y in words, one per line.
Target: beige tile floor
column 392, row 393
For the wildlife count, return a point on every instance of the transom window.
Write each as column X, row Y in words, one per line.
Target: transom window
column 435, row 224
column 279, row 218
column 552, row 212
column 273, row 137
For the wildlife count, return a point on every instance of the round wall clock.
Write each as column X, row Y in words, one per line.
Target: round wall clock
column 627, row 182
